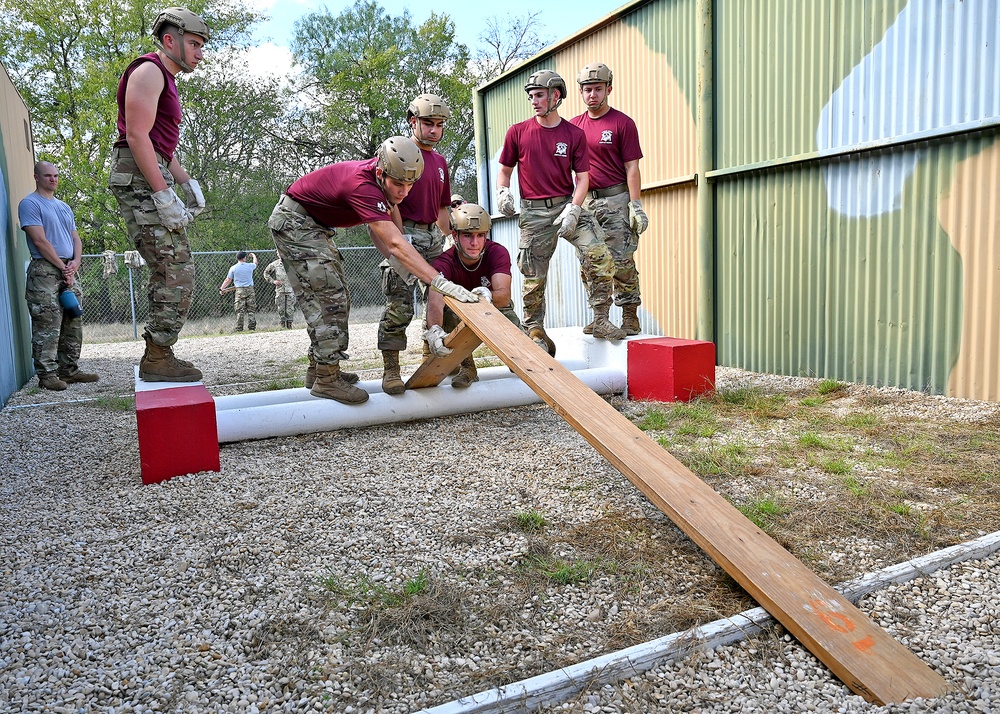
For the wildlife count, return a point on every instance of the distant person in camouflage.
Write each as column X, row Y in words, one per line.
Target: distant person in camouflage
column 549, row 154
column 245, row 297
column 478, row 264
column 284, row 297
column 143, row 171
column 303, row 225
column 424, row 215
column 613, row 196
column 56, row 249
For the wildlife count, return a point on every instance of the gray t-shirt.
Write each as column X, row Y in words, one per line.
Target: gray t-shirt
column 242, row 274
column 56, row 219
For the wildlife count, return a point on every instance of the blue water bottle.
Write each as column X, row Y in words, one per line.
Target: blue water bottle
column 67, row 298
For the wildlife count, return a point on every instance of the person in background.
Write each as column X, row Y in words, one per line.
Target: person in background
column 56, row 249
column 303, row 225
column 478, row 264
column 144, row 170
column 548, row 152
column 424, row 223
column 613, row 196
column 284, row 298
column 245, row 298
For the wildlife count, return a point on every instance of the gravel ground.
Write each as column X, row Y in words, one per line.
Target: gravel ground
column 382, row 569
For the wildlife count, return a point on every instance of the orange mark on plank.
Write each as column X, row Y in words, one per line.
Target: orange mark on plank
column 865, row 644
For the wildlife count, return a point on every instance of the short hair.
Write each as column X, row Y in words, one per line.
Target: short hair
column 242, row 255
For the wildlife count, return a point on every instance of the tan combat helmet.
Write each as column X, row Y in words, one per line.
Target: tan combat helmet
column 400, row 159
column 187, row 22
column 547, row 79
column 594, row 73
column 428, row 105
column 470, row 218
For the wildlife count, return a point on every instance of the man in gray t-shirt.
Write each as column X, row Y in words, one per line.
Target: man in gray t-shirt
column 56, row 249
column 245, row 302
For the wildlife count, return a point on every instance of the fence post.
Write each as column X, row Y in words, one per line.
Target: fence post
column 131, row 302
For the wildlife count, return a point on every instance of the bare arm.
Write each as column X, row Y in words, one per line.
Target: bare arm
column 503, row 176
column 435, row 309
column 634, row 180
column 69, row 272
column 141, row 98
column 389, row 241
column 500, row 287
column 444, row 221
column 225, row 283
column 36, row 234
column 582, row 186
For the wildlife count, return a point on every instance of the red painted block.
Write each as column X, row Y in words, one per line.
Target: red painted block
column 177, row 432
column 666, row 369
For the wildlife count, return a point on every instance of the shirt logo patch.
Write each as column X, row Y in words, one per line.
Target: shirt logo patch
column 561, row 148
column 606, row 136
column 382, row 208
column 440, row 174
column 484, row 281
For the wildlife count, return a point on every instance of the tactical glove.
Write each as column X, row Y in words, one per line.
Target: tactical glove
column 446, row 287
column 194, row 199
column 505, row 201
column 567, row 220
column 172, row 212
column 483, row 292
column 637, row 220
column 434, row 336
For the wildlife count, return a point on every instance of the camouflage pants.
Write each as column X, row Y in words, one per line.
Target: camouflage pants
column 168, row 253
column 284, row 304
column 245, row 303
column 56, row 337
column 315, row 271
column 534, row 251
column 611, row 214
column 398, row 293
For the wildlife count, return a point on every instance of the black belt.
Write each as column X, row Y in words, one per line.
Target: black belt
column 545, row 202
column 609, row 191
column 125, row 151
column 423, row 226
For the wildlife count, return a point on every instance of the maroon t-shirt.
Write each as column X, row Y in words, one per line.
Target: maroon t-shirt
column 430, row 193
column 167, row 124
column 342, row 195
column 612, row 140
column 495, row 260
column 545, row 158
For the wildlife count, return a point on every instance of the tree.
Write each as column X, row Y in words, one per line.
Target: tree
column 508, row 42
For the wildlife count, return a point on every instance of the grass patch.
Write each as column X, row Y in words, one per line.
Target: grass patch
column 721, row 460
column 562, row 572
column 830, row 386
column 529, row 521
column 117, row 404
column 763, row 512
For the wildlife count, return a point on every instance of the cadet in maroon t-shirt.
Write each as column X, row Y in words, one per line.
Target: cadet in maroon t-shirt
column 547, row 152
column 477, row 263
column 424, row 214
column 615, row 185
column 302, row 226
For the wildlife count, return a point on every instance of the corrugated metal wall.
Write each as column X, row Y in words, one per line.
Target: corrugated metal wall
column 16, row 182
column 843, row 250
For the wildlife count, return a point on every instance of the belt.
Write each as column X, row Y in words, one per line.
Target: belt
column 545, row 202
column 421, row 226
column 609, row 191
column 127, row 152
column 292, row 205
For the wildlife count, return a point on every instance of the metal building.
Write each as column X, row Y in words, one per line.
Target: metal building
column 820, row 179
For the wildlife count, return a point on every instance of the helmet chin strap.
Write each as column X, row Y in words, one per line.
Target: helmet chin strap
column 179, row 60
column 548, row 103
column 418, row 134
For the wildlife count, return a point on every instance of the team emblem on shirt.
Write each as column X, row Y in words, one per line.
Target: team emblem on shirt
column 440, row 174
column 561, row 148
column 606, row 136
column 484, row 281
column 382, row 208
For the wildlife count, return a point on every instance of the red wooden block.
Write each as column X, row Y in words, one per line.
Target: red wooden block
column 666, row 369
column 177, row 432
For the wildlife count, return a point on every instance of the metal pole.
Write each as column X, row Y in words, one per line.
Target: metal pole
column 131, row 302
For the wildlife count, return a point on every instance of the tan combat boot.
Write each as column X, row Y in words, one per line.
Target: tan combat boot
column 392, row 383
column 630, row 319
column 51, row 382
column 540, row 338
column 604, row 329
column 466, row 375
column 78, row 377
column 589, row 329
column 330, row 385
column 349, row 377
column 158, row 364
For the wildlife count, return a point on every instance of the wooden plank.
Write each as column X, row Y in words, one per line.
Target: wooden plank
column 462, row 341
column 856, row 650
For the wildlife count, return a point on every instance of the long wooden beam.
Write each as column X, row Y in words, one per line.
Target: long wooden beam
column 864, row 656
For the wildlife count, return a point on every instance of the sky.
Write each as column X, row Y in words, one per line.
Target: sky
column 559, row 18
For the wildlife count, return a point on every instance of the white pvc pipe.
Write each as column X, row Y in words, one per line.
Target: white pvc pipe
column 314, row 414
column 285, row 396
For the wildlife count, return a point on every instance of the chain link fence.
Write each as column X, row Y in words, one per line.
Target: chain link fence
column 115, row 305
